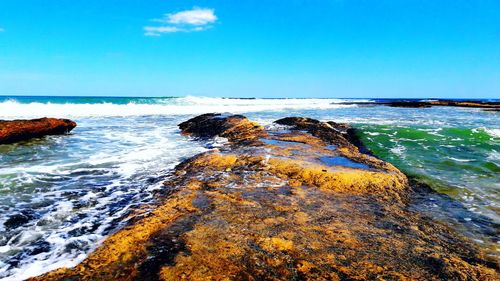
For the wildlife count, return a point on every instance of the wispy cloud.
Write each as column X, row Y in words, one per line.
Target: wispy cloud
column 196, row 16
column 158, row 30
column 196, row 19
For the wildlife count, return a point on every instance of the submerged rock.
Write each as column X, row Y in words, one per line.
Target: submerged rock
column 20, row 130
column 267, row 206
column 19, row 219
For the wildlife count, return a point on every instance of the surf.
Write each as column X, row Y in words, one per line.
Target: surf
column 111, row 107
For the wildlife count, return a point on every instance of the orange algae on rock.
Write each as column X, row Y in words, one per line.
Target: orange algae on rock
column 235, row 128
column 20, row 130
column 265, row 207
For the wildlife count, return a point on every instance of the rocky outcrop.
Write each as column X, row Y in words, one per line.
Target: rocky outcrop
column 294, row 201
column 236, row 128
column 20, row 130
column 480, row 104
column 426, row 104
column 410, row 104
column 331, row 132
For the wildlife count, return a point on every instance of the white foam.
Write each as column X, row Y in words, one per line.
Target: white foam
column 180, row 106
column 398, row 150
column 460, row 160
column 5, row 249
column 493, row 132
column 494, row 155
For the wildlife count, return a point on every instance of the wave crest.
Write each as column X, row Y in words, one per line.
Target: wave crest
column 12, row 108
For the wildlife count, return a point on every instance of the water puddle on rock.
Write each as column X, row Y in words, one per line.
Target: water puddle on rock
column 343, row 161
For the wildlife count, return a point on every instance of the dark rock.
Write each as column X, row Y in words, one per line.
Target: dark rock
column 40, row 246
column 339, row 126
column 236, row 128
column 409, row 104
column 20, row 130
column 470, row 103
column 331, row 132
column 19, row 219
column 426, row 104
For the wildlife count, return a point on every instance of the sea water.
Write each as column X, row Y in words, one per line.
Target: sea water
column 61, row 196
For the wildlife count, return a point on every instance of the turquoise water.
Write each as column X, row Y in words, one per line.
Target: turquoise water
column 69, row 192
column 461, row 162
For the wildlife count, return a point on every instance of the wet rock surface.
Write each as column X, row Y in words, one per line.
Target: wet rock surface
column 266, row 207
column 19, row 219
column 21, row 130
column 236, row 128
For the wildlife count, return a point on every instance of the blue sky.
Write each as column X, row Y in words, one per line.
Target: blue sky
column 244, row 48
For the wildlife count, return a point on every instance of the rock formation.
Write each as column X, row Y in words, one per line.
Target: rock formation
column 481, row 104
column 20, row 130
column 294, row 201
column 425, row 104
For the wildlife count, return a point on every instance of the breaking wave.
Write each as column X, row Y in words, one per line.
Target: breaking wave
column 15, row 108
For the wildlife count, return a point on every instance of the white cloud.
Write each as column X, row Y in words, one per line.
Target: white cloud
column 196, row 19
column 158, row 30
column 196, row 16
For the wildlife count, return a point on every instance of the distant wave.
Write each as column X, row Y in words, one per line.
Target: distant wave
column 12, row 108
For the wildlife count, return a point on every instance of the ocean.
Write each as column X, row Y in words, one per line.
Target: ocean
column 74, row 190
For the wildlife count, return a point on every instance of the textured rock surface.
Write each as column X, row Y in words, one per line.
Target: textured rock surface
column 294, row 202
column 20, row 130
column 236, row 128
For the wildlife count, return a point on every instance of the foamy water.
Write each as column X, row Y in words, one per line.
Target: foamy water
column 12, row 108
column 72, row 191
column 76, row 189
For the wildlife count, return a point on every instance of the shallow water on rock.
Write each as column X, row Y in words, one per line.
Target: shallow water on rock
column 343, row 161
column 455, row 150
